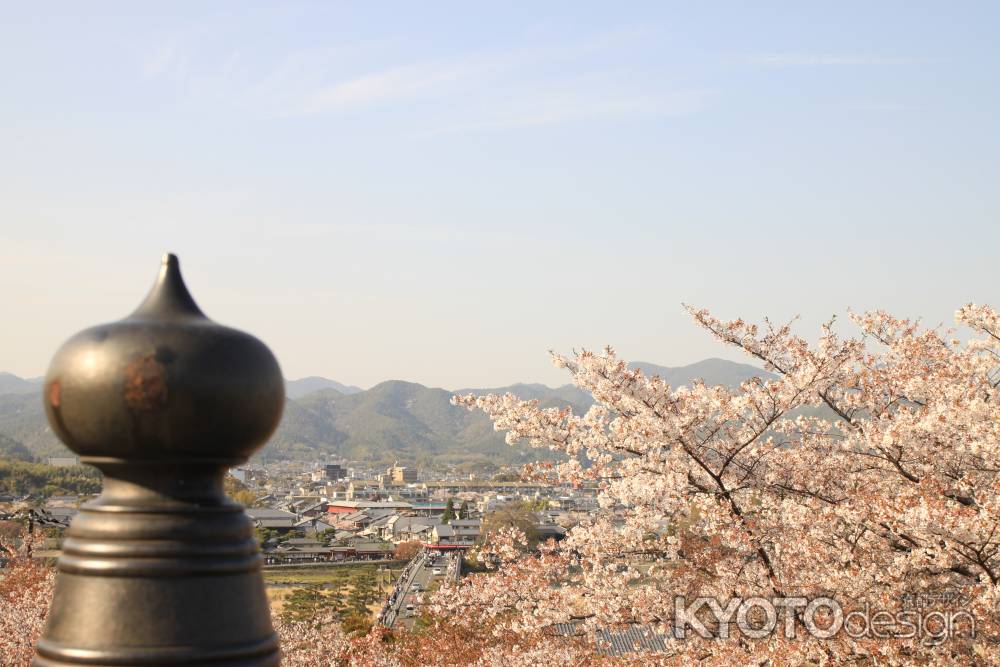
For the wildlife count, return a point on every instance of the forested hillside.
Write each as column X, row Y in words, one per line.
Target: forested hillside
column 392, row 421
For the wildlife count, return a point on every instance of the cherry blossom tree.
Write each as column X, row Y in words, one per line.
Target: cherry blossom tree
column 321, row 643
column 25, row 594
column 862, row 470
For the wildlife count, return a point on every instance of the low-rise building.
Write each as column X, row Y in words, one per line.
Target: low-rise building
column 273, row 519
column 298, row 550
column 408, row 528
column 467, row 530
column 457, row 534
column 374, row 550
column 63, row 461
column 402, row 474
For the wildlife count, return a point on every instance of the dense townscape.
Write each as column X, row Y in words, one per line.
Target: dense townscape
column 336, row 513
column 335, row 522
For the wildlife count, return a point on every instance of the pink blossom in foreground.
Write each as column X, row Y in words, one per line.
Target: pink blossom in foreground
column 866, row 471
column 25, row 593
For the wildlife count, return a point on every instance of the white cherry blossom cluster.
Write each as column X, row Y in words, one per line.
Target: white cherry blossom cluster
column 866, row 469
column 25, row 594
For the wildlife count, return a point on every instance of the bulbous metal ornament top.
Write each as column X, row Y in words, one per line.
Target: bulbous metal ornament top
column 162, row 568
column 165, row 383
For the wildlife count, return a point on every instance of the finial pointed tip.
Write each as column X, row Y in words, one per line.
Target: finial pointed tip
column 169, row 294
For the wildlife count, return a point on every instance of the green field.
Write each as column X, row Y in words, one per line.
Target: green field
column 355, row 592
column 319, row 575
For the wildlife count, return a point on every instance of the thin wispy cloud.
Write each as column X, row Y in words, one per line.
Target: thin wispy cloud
column 176, row 56
column 475, row 71
column 161, row 61
column 879, row 106
column 826, row 60
column 532, row 84
column 231, row 63
column 381, row 86
column 406, row 80
column 534, row 112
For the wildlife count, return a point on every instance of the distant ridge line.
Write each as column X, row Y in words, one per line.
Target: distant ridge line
column 392, row 420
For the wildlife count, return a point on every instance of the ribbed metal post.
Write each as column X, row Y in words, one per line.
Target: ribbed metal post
column 162, row 568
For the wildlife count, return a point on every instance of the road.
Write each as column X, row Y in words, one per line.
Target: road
column 424, row 577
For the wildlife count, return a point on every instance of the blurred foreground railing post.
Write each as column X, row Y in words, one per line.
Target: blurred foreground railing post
column 162, row 568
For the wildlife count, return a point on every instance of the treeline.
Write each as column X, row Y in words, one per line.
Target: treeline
column 12, row 449
column 19, row 478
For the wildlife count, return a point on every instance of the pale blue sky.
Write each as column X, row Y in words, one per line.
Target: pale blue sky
column 441, row 192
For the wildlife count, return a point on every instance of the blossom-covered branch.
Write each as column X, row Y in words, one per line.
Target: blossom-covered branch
column 863, row 468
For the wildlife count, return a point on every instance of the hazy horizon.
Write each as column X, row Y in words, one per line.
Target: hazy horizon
column 40, row 377
column 443, row 193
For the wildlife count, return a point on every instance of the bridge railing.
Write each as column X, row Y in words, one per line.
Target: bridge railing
column 390, row 611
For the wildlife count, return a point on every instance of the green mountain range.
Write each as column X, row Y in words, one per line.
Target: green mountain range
column 392, row 421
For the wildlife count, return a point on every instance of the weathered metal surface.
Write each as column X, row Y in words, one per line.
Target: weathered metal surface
column 162, row 568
